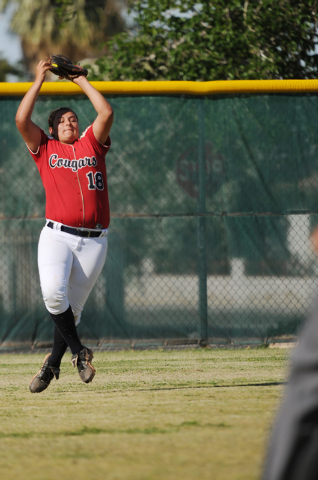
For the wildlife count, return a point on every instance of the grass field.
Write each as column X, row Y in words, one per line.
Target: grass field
column 147, row 415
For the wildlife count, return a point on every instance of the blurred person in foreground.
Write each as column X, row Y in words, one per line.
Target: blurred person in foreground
column 292, row 452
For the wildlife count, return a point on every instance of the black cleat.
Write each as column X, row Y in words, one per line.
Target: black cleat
column 82, row 360
column 42, row 379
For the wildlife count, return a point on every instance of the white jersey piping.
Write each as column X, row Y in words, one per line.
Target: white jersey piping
column 80, row 186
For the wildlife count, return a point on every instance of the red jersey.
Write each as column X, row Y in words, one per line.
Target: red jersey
column 74, row 179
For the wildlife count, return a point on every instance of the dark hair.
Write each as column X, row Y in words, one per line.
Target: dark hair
column 55, row 112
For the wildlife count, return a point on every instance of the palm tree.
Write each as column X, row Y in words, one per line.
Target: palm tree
column 6, row 68
column 75, row 28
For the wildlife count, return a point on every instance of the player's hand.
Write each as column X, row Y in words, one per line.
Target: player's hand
column 80, row 80
column 41, row 70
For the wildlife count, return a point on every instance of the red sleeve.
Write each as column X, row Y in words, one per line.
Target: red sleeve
column 98, row 147
column 42, row 148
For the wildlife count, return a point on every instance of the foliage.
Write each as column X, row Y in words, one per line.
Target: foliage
column 80, row 21
column 214, row 40
column 75, row 28
column 7, row 69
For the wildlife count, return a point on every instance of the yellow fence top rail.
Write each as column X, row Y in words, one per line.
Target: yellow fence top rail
column 168, row 87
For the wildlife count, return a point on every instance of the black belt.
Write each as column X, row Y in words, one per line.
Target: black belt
column 77, row 231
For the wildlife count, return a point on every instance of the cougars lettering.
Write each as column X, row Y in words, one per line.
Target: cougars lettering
column 54, row 161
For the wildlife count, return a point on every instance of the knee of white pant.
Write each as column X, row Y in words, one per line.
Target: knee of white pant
column 56, row 303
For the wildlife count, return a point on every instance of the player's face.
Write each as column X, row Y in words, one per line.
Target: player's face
column 65, row 127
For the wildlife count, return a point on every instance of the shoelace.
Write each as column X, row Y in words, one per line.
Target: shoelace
column 83, row 359
column 74, row 360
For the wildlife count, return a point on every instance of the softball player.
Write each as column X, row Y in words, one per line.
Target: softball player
column 73, row 243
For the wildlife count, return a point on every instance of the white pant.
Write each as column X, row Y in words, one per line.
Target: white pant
column 69, row 266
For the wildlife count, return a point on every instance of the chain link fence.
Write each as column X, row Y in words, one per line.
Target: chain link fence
column 213, row 200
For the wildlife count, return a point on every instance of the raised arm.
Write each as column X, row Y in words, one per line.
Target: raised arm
column 105, row 115
column 30, row 131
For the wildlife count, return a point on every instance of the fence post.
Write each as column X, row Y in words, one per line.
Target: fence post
column 202, row 247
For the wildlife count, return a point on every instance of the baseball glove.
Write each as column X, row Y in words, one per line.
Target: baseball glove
column 64, row 68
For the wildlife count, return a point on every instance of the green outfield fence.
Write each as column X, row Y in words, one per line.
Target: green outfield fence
column 213, row 194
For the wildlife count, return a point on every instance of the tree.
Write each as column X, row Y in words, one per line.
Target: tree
column 215, row 40
column 75, row 28
column 6, row 68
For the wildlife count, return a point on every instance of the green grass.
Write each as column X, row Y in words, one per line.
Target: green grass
column 147, row 415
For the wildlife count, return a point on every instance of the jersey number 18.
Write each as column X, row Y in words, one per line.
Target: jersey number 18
column 95, row 181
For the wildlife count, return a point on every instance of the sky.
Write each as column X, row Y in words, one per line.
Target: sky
column 10, row 45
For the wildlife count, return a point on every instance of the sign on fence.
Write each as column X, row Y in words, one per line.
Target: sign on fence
column 188, row 170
